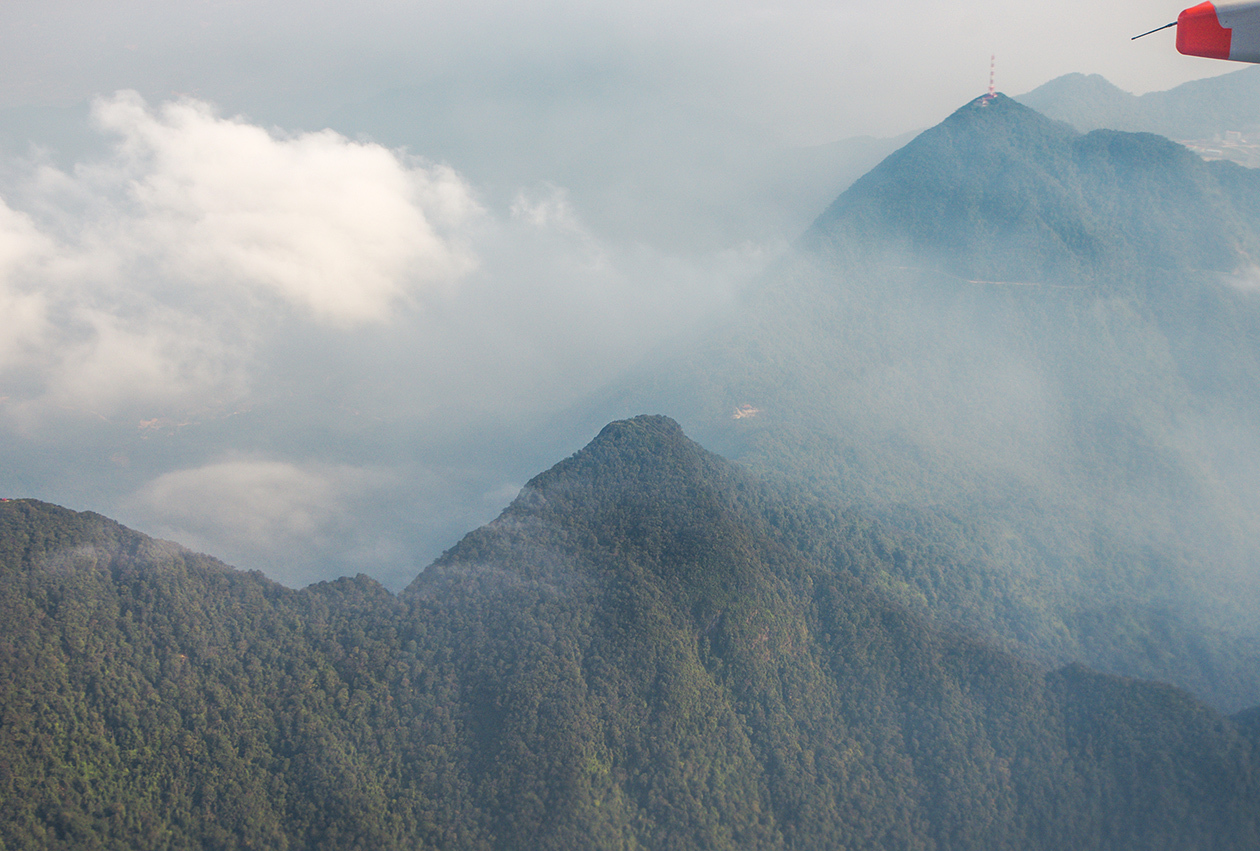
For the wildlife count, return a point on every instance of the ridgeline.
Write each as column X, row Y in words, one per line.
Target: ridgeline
column 639, row 652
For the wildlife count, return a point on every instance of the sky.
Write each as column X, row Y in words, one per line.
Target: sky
column 317, row 287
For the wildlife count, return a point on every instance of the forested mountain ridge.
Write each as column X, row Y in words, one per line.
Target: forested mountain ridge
column 999, row 192
column 637, row 653
column 155, row 698
column 1035, row 355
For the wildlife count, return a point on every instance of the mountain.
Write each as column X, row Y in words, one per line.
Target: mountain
column 155, row 698
column 1032, row 356
column 639, row 652
column 1199, row 109
column 999, row 191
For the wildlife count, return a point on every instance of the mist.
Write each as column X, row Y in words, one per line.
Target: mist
column 318, row 293
column 305, row 353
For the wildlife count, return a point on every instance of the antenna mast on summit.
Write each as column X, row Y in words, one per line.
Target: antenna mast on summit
column 992, row 77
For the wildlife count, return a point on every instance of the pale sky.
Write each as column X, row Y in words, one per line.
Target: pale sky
column 812, row 71
column 315, row 352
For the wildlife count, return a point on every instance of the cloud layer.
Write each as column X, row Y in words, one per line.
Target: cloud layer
column 200, row 313
column 141, row 278
column 343, row 230
column 273, row 507
column 304, row 352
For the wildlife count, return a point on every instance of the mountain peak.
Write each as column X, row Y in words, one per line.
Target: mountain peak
column 646, row 431
column 643, row 451
column 998, row 192
column 640, row 492
column 673, row 685
column 1199, row 109
column 997, row 107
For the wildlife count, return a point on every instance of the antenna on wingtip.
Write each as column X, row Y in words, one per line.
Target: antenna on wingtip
column 1157, row 29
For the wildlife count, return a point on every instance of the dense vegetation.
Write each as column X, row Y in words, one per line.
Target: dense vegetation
column 1002, row 193
column 1005, row 415
column 642, row 651
column 1032, row 358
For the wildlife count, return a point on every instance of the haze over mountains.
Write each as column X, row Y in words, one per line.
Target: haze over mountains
column 1033, row 350
column 408, row 386
column 997, row 417
column 262, row 428
column 1199, row 109
column 640, row 651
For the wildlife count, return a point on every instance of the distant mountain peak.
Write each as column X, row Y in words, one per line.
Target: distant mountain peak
column 999, row 105
column 1199, row 109
column 998, row 192
column 1075, row 85
column 998, row 110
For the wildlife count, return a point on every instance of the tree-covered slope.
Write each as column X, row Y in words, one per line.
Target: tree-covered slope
column 155, row 698
column 1001, row 193
column 640, row 652
column 1033, row 357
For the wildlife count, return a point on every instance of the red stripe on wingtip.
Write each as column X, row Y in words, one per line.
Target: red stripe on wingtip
column 1199, row 33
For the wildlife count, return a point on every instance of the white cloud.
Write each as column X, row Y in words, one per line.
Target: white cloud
column 551, row 210
column 266, row 498
column 209, row 289
column 263, row 512
column 1246, row 279
column 343, row 229
column 149, row 277
column 23, row 309
column 160, row 359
